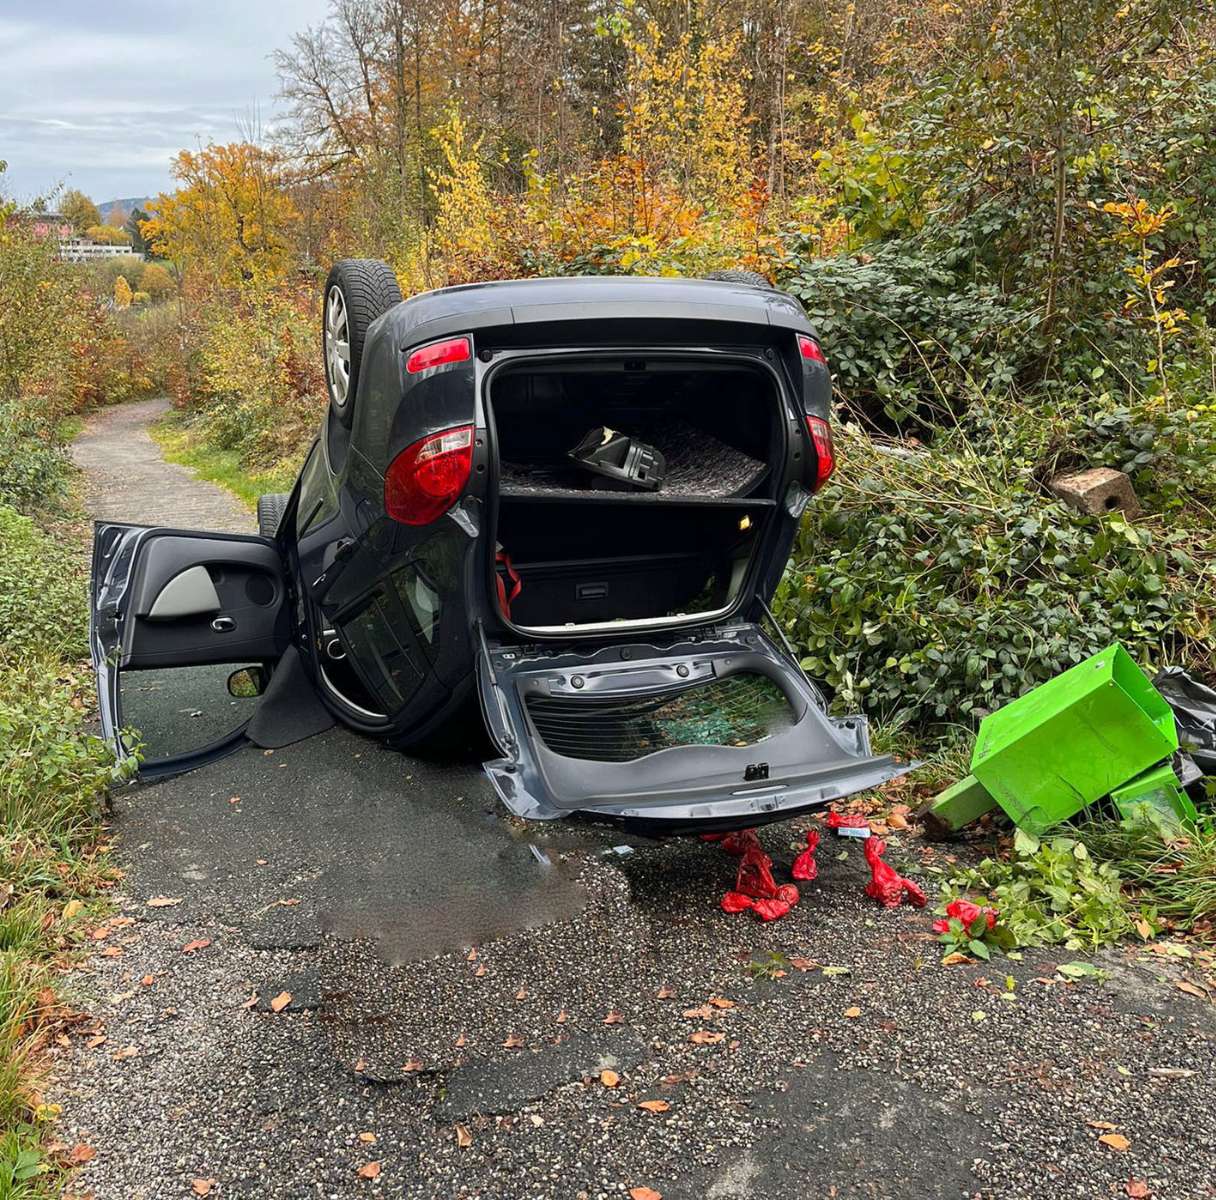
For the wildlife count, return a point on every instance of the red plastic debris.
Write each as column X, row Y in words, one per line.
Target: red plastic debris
column 805, row 867
column 741, row 842
column 755, row 876
column 755, row 887
column 736, row 902
column 886, row 885
column 965, row 911
column 770, row 910
column 848, row 821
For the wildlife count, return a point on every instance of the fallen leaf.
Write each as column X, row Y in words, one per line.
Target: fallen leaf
column 706, row 1037
column 481, row 970
column 852, row 1012
column 1143, row 928
column 609, row 1078
column 472, row 954
column 513, row 1042
column 1101, row 1125
column 522, row 994
column 654, row 1106
column 111, row 952
column 261, row 862
column 94, row 1042
column 164, row 902
column 665, row 992
column 126, row 1052
column 953, row 960
column 835, row 971
column 803, row 964
column 562, row 1017
column 644, row 1193
column 614, row 1018
column 81, row 1153
column 897, row 821
column 234, row 799
column 412, row 1066
column 368, row 1170
column 71, row 909
column 1116, row 1141
column 701, row 1013
column 367, row 1139
column 250, row 1002
column 461, row 1040
column 196, row 944
column 147, row 981
column 1137, row 1188
column 360, row 1065
column 202, row 1187
column 464, row 1138
column 721, row 1002
column 280, row 1002
column 1184, row 985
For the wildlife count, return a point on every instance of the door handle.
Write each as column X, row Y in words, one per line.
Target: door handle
column 223, row 624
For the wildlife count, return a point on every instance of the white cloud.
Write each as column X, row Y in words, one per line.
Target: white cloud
column 102, row 97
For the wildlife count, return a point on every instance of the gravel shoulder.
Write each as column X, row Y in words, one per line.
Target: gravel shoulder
column 459, row 982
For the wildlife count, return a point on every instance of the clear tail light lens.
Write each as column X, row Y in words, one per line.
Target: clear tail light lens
column 438, row 354
column 426, row 479
column 825, row 451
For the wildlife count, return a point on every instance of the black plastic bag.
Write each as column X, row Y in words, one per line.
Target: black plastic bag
column 1194, row 706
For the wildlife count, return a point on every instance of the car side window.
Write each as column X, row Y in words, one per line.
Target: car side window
column 318, row 498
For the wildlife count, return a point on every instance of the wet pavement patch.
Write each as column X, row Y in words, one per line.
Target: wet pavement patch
column 489, row 1088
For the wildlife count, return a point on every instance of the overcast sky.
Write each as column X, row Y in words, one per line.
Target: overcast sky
column 100, row 96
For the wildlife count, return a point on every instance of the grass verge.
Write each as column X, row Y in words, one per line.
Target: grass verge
column 180, row 444
column 54, row 772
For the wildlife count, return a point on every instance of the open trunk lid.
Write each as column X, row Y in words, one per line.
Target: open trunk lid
column 702, row 732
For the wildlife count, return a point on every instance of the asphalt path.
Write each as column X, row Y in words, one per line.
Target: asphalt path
column 478, row 1007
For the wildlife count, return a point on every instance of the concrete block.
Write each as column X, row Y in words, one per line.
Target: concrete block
column 1096, row 491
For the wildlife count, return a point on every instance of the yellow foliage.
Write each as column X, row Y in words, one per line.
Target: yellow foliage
column 122, row 292
column 232, row 218
column 468, row 224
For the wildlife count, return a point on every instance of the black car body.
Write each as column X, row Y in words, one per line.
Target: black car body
column 441, row 542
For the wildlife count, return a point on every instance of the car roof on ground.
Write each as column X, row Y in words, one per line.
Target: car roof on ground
column 591, row 298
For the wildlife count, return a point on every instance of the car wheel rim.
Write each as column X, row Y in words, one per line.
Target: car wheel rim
column 337, row 346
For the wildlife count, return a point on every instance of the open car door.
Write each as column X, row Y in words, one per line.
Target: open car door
column 184, row 631
column 707, row 733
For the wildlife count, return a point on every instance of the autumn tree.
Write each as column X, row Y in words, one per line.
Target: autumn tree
column 231, row 220
column 122, row 292
column 79, row 210
column 134, row 228
column 108, row 235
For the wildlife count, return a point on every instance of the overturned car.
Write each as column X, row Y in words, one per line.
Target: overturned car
column 568, row 498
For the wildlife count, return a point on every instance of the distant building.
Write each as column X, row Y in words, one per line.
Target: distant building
column 49, row 225
column 76, row 249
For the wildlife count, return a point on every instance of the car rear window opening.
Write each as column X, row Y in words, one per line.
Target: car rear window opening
column 743, row 709
column 630, row 490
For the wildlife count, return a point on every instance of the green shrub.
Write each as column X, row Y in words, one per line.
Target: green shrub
column 937, row 586
column 33, row 466
column 906, row 336
column 1049, row 893
column 53, row 771
column 43, row 606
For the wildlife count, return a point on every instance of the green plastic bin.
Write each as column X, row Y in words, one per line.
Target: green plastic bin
column 1076, row 738
column 1158, row 789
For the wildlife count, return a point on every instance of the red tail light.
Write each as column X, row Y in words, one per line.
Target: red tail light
column 425, row 479
column 809, row 348
column 825, row 452
column 437, row 354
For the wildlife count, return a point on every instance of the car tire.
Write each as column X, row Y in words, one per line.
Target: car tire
column 270, row 512
column 357, row 291
column 737, row 275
